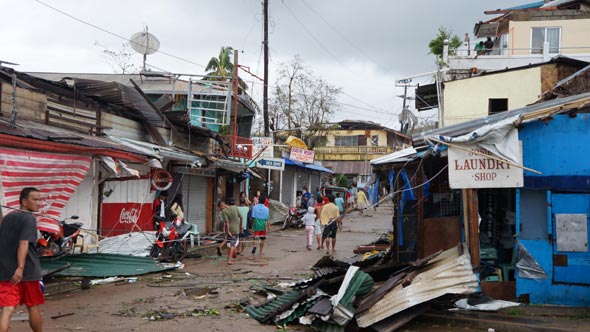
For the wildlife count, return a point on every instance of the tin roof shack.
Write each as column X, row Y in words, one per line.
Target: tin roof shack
column 199, row 117
column 77, row 116
column 537, row 196
column 427, row 215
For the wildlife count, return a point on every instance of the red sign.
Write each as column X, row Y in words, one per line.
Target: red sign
column 121, row 218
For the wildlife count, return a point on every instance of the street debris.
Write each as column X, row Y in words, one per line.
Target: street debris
column 368, row 292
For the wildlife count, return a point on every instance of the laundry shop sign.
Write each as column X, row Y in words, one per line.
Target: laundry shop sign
column 473, row 167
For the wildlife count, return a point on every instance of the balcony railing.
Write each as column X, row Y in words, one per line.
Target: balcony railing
column 242, row 148
column 353, row 150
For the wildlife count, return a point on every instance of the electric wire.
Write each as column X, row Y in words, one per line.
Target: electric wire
column 112, row 33
column 338, row 32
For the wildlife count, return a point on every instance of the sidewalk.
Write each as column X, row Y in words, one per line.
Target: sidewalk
column 526, row 318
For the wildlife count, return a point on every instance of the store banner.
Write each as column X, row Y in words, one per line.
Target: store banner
column 302, row 155
column 263, row 147
column 122, row 218
column 471, row 166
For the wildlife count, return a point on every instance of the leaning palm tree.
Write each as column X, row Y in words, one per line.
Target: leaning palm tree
column 221, row 68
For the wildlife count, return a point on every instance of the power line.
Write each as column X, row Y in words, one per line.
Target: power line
column 337, row 32
column 315, row 39
column 112, row 33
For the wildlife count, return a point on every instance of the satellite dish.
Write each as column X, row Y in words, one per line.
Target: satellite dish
column 144, row 43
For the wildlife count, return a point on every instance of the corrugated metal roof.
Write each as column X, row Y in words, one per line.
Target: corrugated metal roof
column 450, row 272
column 555, row 105
column 265, row 312
column 40, row 131
column 102, row 265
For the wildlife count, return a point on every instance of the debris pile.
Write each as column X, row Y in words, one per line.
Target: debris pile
column 368, row 292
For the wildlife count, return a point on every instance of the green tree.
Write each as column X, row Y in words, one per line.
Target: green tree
column 341, row 181
column 436, row 45
column 221, row 68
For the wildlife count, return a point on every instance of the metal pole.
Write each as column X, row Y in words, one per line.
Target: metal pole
column 265, row 87
column 236, row 92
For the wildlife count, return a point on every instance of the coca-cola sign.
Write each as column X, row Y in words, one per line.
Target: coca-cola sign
column 121, row 218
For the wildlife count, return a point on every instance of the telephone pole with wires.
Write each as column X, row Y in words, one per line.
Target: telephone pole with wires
column 265, row 87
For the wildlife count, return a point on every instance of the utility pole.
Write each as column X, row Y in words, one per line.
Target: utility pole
column 236, row 92
column 265, row 88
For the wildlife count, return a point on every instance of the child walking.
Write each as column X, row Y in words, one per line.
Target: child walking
column 309, row 220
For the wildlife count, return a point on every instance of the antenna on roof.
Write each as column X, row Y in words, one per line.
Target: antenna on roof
column 144, row 43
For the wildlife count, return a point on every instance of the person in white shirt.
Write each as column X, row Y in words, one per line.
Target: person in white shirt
column 309, row 221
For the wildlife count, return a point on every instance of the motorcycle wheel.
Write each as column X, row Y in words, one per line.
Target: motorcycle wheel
column 286, row 222
column 155, row 251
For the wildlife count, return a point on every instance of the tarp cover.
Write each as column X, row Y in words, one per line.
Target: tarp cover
column 102, row 265
column 57, row 176
column 501, row 139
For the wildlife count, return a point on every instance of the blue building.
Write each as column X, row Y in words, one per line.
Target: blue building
column 547, row 213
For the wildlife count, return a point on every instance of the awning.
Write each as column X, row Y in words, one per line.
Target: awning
column 398, row 156
column 312, row 167
column 319, row 168
column 161, row 152
column 232, row 166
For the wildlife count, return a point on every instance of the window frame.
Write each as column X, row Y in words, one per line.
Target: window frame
column 532, row 49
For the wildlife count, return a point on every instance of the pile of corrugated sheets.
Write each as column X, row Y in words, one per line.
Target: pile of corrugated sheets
column 381, row 296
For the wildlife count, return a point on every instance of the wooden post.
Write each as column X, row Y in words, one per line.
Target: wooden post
column 473, row 228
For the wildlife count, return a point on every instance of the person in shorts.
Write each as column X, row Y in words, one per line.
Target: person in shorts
column 260, row 216
column 245, row 234
column 331, row 221
column 20, row 269
column 232, row 225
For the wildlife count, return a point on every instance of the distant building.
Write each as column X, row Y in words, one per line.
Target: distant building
column 352, row 144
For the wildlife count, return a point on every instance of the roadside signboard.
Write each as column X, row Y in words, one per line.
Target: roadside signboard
column 271, row 163
column 260, row 143
column 472, row 170
column 302, row 155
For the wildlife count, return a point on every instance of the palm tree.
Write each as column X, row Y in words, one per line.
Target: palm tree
column 221, row 68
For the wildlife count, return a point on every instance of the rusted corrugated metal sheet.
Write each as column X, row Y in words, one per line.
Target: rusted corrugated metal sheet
column 450, row 272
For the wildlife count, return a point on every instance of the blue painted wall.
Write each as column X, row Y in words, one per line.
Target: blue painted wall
column 560, row 149
column 546, row 291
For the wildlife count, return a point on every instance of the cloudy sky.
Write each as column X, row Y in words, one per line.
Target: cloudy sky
column 361, row 46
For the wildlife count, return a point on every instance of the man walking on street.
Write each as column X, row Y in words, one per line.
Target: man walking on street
column 20, row 270
column 331, row 221
column 260, row 215
column 232, row 225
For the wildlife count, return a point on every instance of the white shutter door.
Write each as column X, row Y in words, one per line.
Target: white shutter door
column 194, row 193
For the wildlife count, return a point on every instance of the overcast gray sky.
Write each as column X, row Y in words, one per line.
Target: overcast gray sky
column 361, row 46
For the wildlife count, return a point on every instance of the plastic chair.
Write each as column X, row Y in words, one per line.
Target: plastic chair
column 506, row 268
column 194, row 233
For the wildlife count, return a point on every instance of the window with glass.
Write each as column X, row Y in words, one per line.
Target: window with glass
column 346, row 141
column 541, row 35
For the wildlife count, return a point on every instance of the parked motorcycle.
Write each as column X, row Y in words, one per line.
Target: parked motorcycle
column 57, row 237
column 294, row 218
column 170, row 244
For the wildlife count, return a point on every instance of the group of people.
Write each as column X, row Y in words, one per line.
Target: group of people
column 486, row 47
column 323, row 219
column 249, row 220
column 167, row 211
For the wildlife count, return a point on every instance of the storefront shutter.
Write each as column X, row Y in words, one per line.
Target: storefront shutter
column 194, row 192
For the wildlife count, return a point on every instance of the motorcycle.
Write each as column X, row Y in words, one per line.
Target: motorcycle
column 170, row 244
column 57, row 237
column 294, row 218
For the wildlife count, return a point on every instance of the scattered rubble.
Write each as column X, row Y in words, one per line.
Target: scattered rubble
column 368, row 292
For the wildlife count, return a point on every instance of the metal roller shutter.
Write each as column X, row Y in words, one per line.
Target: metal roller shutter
column 287, row 187
column 194, row 192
